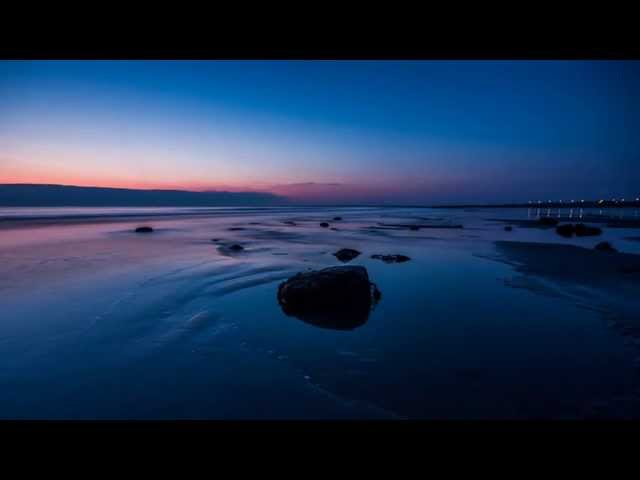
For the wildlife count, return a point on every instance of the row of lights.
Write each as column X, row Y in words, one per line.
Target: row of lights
column 582, row 201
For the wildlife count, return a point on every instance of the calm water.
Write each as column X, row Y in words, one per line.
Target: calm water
column 100, row 322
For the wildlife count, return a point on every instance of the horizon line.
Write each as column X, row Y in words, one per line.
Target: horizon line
column 530, row 204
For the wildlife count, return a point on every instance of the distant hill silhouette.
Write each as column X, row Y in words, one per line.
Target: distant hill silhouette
column 40, row 195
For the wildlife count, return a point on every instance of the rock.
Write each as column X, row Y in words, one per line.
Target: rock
column 579, row 229
column 391, row 258
column 582, row 230
column 289, row 222
column 337, row 218
column 235, row 229
column 567, row 230
column 548, row 221
column 230, row 250
column 401, row 226
column 508, row 228
column 336, row 297
column 605, row 247
column 346, row 254
column 144, row 230
column 377, row 294
column 324, row 224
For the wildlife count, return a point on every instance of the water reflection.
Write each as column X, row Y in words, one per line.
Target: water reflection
column 336, row 319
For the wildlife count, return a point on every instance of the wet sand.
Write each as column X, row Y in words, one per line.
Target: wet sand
column 101, row 322
column 610, row 271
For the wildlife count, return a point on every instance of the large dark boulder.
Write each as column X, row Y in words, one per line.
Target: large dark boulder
column 144, row 230
column 391, row 258
column 324, row 224
column 337, row 297
column 346, row 254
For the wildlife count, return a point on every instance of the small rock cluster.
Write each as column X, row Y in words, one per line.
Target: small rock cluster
column 579, row 230
column 346, row 254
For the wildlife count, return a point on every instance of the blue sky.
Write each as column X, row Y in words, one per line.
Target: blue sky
column 327, row 131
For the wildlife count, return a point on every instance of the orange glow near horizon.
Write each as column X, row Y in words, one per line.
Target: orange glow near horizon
column 304, row 191
column 10, row 175
column 113, row 171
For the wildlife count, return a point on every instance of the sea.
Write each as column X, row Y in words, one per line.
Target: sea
column 100, row 322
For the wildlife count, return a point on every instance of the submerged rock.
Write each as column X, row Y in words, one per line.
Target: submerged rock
column 235, row 247
column 548, row 221
column 324, row 224
column 337, row 218
column 508, row 228
column 235, row 229
column 337, row 297
column 414, row 227
column 144, row 230
column 605, row 247
column 391, row 258
column 346, row 254
column 289, row 222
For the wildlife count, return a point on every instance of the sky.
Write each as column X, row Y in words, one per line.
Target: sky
column 383, row 132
